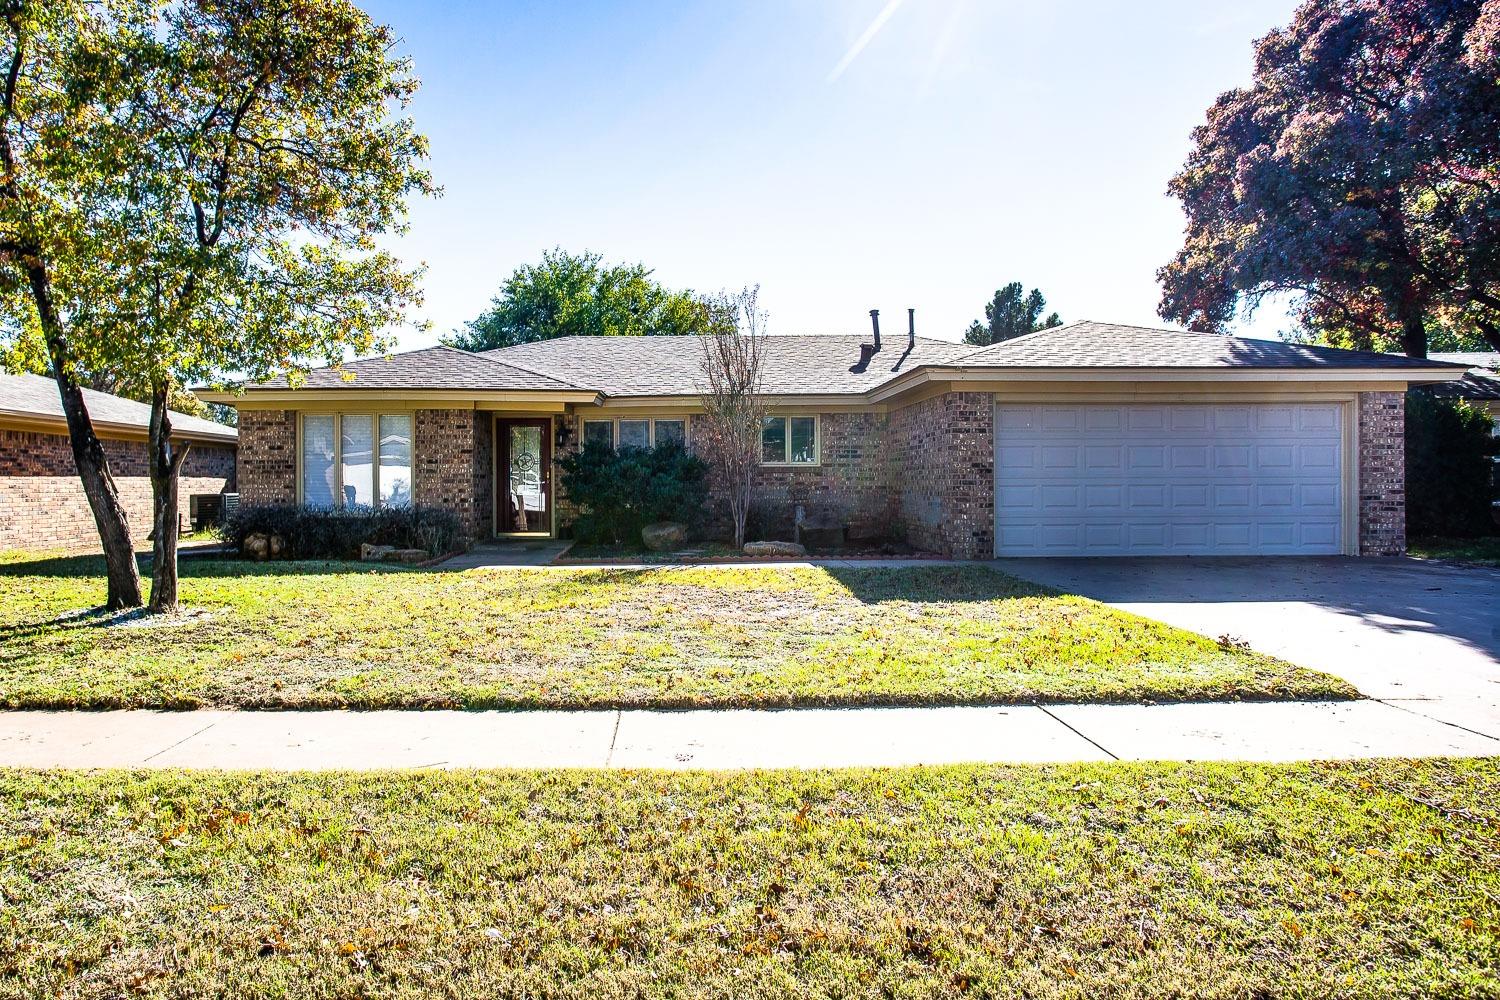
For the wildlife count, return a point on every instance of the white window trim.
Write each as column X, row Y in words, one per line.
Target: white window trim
column 338, row 452
column 817, row 441
column 651, row 422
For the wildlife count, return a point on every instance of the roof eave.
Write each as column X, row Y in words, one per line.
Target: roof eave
column 366, row 394
column 998, row 373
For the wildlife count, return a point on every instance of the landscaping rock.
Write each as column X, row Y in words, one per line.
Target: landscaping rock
column 275, row 545
column 663, row 536
column 375, row 553
column 257, row 545
column 774, row 549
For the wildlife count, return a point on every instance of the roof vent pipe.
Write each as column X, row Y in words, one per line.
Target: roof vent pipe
column 911, row 329
column 865, row 351
column 875, row 323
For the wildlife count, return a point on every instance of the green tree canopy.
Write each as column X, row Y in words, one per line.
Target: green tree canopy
column 1012, row 312
column 580, row 295
column 197, row 187
column 1359, row 173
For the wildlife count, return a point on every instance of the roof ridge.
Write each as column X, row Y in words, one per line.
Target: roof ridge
column 511, row 365
column 1025, row 336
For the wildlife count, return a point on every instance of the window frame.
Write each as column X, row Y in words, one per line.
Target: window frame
column 651, row 420
column 375, row 453
column 786, row 462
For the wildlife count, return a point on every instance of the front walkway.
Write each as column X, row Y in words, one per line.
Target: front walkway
column 1272, row 731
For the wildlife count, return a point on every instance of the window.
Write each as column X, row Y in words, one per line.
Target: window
column 671, row 432
column 789, row 441
column 599, row 432
column 635, row 432
column 356, row 460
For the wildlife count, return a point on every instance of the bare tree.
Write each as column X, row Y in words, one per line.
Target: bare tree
column 729, row 433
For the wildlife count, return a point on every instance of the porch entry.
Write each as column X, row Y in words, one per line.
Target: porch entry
column 523, row 476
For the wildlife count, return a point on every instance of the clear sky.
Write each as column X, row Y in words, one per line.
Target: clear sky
column 844, row 154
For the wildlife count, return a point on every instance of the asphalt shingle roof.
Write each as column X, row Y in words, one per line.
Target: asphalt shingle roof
column 669, row 366
column 438, row 367
column 1088, row 344
column 36, row 396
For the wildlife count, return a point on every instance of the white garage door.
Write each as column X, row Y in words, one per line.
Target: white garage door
column 1149, row 479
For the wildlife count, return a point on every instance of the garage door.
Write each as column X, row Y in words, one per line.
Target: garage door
column 1142, row 479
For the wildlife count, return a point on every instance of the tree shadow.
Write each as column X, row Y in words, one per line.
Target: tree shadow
column 198, row 565
column 940, row 584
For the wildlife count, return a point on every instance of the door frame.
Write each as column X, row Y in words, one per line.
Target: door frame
column 501, row 474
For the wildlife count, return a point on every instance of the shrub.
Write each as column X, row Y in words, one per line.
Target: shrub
column 1448, row 467
column 618, row 492
column 320, row 533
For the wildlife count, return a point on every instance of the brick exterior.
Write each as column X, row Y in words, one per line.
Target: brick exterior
column 1382, row 473
column 943, row 455
column 268, row 457
column 42, row 503
column 444, row 463
column 924, row 472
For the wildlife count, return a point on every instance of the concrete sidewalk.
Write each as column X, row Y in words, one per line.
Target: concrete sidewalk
column 1276, row 731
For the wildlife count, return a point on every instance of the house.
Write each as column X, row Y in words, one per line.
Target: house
column 42, row 504
column 1087, row 439
column 1480, row 385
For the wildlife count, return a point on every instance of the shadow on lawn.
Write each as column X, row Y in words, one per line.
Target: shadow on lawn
column 933, row 584
column 195, row 566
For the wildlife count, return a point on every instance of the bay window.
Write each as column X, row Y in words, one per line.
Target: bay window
column 789, row 441
column 356, row 460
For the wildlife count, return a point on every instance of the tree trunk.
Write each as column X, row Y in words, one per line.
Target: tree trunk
column 1413, row 331
column 165, row 464
column 1491, row 332
column 124, row 590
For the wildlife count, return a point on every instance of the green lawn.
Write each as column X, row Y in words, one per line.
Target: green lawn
column 1188, row 880
column 1477, row 551
column 319, row 635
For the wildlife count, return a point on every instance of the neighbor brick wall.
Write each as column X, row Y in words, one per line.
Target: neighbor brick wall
column 42, row 503
column 443, row 456
column 268, row 457
column 1382, row 473
column 942, row 452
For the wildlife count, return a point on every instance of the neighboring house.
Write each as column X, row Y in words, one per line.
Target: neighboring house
column 1480, row 384
column 42, row 504
column 1087, row 439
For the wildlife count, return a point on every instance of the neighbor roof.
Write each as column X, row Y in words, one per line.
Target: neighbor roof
column 1480, row 382
column 35, row 397
column 440, row 367
column 670, row 366
column 1088, row 344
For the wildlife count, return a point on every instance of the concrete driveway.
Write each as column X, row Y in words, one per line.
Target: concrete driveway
column 1420, row 635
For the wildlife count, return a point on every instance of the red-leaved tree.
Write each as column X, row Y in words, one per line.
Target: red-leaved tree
column 1360, row 172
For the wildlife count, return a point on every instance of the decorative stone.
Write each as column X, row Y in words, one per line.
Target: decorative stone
column 405, row 556
column 275, row 546
column 774, row 549
column 663, row 536
column 257, row 545
column 370, row 552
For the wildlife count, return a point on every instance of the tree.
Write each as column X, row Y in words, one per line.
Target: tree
column 1360, row 173
column 1012, row 312
column 580, row 295
column 232, row 164
column 46, row 243
column 728, row 435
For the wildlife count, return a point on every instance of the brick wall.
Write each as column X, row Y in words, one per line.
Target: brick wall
column 268, row 457
column 42, row 503
column 942, row 453
column 1382, row 473
column 444, row 460
column 851, row 479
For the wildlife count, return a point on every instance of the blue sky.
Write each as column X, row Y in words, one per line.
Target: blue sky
column 967, row 143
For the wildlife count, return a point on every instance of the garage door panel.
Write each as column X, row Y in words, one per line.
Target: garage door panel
column 1126, row 479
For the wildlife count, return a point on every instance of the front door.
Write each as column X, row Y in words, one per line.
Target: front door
column 523, row 476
